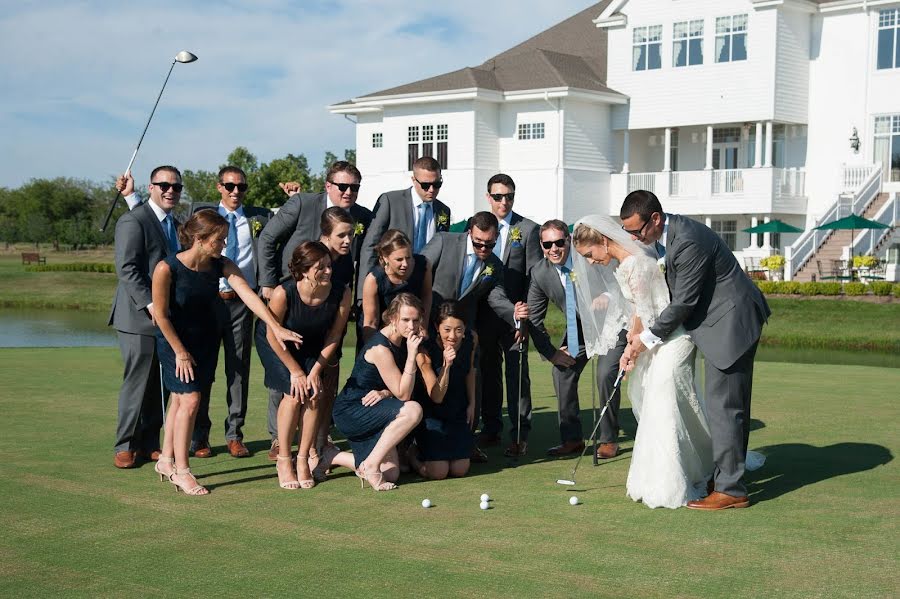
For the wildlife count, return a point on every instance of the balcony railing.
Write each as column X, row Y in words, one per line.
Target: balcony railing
column 852, row 177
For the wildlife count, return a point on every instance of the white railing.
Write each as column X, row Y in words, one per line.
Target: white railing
column 789, row 182
column 852, row 177
column 728, row 181
column 685, row 183
column 889, row 214
column 642, row 181
column 812, row 239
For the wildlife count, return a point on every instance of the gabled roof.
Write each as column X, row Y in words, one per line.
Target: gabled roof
column 572, row 54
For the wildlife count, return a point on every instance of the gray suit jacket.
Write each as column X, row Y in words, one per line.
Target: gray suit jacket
column 298, row 221
column 718, row 304
column 254, row 215
column 546, row 287
column 519, row 256
column 446, row 253
column 140, row 245
column 394, row 210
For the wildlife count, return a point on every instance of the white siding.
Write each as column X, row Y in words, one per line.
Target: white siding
column 487, row 135
column 585, row 192
column 528, row 153
column 792, row 67
column 587, row 139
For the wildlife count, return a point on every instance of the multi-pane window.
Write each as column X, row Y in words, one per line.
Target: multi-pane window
column 378, row 140
column 687, row 43
column 727, row 230
column 673, row 150
column 887, row 145
column 421, row 142
column 428, row 140
column 647, row 48
column 889, row 39
column 731, row 38
column 531, row 131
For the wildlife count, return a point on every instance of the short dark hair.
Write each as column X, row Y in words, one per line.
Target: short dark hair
column 342, row 166
column 305, row 255
column 332, row 216
column 203, row 224
column 449, row 309
column 555, row 223
column 641, row 202
column 165, row 167
column 501, row 179
column 232, row 169
column 484, row 220
column 427, row 163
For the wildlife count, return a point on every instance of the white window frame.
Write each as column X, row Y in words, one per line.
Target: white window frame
column 727, row 230
column 377, row 139
column 428, row 139
column 642, row 41
column 886, row 134
column 526, row 131
column 888, row 20
column 683, row 33
column 728, row 29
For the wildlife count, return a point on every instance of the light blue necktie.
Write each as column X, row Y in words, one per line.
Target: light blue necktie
column 231, row 244
column 660, row 249
column 571, row 314
column 469, row 274
column 170, row 233
column 422, row 226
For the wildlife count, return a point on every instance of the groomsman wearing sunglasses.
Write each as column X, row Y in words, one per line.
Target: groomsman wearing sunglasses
column 415, row 210
column 298, row 221
column 518, row 248
column 235, row 319
column 144, row 236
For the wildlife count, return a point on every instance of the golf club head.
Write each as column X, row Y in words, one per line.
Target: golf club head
column 566, row 482
column 185, row 56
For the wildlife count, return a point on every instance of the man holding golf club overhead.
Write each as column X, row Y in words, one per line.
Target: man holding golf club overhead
column 144, row 236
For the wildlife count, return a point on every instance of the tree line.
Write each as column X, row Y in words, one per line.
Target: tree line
column 67, row 212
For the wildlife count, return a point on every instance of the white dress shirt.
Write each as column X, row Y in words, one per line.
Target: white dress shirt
column 245, row 249
column 470, row 253
column 417, row 201
column 559, row 267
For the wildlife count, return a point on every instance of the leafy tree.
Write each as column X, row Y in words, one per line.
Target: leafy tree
column 200, row 186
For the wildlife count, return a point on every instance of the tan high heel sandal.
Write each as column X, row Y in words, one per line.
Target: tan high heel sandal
column 164, row 476
column 305, row 483
column 290, row 485
column 379, row 483
column 196, row 490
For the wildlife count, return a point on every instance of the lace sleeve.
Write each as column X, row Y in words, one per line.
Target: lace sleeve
column 648, row 289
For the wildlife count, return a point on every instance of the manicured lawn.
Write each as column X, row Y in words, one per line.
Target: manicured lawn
column 75, row 290
column 824, row 523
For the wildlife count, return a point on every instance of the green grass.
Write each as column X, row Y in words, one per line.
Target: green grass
column 67, row 290
column 824, row 523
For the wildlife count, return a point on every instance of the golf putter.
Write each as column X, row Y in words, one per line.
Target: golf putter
column 519, row 403
column 594, row 405
column 570, row 482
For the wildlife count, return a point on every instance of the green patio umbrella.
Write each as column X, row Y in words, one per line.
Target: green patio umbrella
column 852, row 223
column 773, row 226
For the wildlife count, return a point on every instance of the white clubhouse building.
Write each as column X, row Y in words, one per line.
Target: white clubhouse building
column 733, row 112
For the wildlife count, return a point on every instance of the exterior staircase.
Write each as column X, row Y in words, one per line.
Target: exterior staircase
column 833, row 247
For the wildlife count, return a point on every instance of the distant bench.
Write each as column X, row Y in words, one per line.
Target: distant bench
column 33, row 257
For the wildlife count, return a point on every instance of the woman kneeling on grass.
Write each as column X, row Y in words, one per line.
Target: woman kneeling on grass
column 444, row 440
column 318, row 310
column 374, row 410
column 185, row 287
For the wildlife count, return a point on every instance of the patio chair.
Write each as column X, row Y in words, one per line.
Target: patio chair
column 821, row 276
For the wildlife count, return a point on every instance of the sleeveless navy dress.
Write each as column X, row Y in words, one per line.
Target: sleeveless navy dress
column 311, row 322
column 192, row 310
column 444, row 433
column 363, row 425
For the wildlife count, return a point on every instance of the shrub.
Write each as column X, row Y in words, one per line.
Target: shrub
column 881, row 288
column 72, row 267
column 829, row 288
column 790, row 287
column 896, row 290
column 775, row 262
column 865, row 261
column 855, row 288
column 767, row 287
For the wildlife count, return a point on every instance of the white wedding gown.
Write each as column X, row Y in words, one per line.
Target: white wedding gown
column 672, row 456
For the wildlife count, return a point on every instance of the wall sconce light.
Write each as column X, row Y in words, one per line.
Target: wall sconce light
column 854, row 141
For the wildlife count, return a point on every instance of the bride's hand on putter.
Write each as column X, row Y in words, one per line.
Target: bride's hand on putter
column 184, row 366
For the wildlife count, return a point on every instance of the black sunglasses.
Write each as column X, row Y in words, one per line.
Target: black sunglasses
column 230, row 186
column 165, row 185
column 426, row 185
column 560, row 243
column 480, row 246
column 498, row 197
column 354, row 187
column 638, row 232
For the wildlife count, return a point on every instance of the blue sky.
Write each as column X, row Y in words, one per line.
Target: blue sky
column 80, row 77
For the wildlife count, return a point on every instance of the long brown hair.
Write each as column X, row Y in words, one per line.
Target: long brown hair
column 203, row 224
column 391, row 241
column 305, row 256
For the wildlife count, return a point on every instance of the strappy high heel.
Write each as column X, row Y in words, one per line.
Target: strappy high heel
column 320, row 472
column 196, row 490
column 379, row 483
column 290, row 485
column 164, row 476
column 305, row 483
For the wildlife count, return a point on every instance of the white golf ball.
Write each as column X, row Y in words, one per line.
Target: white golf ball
column 573, row 500
column 426, row 503
column 484, row 505
column 485, row 497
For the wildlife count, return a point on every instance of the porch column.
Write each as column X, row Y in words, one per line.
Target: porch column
column 708, row 222
column 767, row 238
column 757, row 161
column 768, row 162
column 626, row 152
column 667, row 156
column 709, row 148
column 754, row 237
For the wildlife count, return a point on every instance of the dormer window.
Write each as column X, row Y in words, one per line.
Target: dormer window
column 731, row 38
column 647, row 48
column 888, row 39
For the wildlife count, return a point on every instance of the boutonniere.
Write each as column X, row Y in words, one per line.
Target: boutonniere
column 515, row 234
column 443, row 220
column 255, row 226
column 662, row 265
column 359, row 229
column 573, row 277
column 488, row 271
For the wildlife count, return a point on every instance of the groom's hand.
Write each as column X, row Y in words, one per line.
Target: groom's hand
column 562, row 358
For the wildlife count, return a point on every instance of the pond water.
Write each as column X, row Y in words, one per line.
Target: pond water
column 75, row 328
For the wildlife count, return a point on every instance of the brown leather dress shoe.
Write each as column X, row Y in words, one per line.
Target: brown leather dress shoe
column 478, row 456
column 488, row 439
column 567, row 448
column 237, row 449
column 719, row 501
column 124, row 459
column 203, row 450
column 273, row 451
column 607, row 450
column 516, row 449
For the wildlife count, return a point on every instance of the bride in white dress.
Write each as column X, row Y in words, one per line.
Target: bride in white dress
column 672, row 457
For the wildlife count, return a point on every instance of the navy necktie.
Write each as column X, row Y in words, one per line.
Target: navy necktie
column 171, row 235
column 661, row 250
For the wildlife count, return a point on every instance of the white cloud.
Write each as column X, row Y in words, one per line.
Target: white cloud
column 80, row 78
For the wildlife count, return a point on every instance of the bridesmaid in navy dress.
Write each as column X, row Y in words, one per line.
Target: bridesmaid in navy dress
column 398, row 270
column 444, row 440
column 185, row 287
column 317, row 310
column 374, row 410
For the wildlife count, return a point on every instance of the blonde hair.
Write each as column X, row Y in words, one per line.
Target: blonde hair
column 401, row 300
column 584, row 235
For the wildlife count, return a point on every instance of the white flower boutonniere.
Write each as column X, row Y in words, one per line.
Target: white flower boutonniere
column 443, row 220
column 359, row 229
column 488, row 271
column 573, row 276
column 256, row 227
column 662, row 265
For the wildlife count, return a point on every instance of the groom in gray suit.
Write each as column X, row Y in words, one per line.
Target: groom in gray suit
column 144, row 236
column 723, row 312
